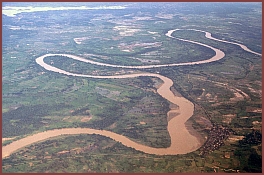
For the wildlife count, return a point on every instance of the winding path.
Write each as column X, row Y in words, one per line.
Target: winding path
column 182, row 141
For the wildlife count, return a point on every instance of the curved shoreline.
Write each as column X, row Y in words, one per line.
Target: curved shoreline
column 209, row 36
column 182, row 141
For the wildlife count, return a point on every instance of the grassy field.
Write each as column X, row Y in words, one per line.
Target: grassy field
column 226, row 93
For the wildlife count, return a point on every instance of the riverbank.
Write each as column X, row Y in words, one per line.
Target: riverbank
column 184, row 138
column 181, row 141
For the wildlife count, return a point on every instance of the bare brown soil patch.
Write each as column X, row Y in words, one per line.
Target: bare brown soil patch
column 235, row 138
column 86, row 119
column 142, row 123
column 252, row 109
column 228, row 118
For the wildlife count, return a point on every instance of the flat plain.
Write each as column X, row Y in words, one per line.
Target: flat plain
column 224, row 96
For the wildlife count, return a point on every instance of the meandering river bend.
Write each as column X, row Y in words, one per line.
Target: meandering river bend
column 182, row 141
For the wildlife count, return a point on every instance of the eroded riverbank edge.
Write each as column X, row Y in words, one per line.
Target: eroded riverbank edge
column 219, row 55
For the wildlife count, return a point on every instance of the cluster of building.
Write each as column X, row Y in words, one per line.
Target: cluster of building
column 215, row 140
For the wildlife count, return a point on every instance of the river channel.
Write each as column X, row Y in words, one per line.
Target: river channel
column 182, row 141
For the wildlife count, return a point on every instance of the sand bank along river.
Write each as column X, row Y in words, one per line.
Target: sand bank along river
column 182, row 141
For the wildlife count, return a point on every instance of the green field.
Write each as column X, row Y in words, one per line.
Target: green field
column 36, row 100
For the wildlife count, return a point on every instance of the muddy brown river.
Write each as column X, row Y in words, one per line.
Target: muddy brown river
column 182, row 141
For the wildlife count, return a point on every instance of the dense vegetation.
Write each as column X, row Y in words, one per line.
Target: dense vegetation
column 36, row 100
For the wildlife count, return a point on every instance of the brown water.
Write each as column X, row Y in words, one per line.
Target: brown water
column 182, row 141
